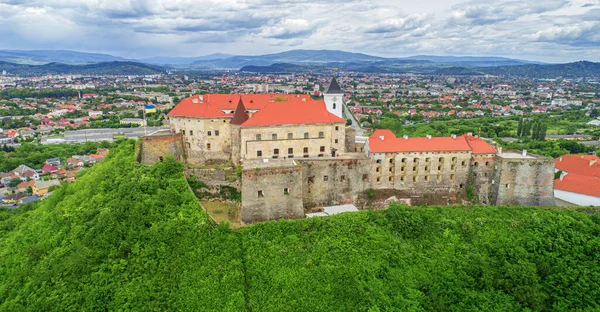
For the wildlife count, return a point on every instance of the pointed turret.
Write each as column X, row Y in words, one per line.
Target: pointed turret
column 334, row 87
column 240, row 115
column 334, row 98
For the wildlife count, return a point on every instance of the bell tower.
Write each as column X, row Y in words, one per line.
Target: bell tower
column 334, row 98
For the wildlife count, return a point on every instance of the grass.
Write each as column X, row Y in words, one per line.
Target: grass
column 119, row 136
column 223, row 212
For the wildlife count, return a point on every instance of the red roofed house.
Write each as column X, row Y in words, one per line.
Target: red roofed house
column 47, row 168
column 579, row 182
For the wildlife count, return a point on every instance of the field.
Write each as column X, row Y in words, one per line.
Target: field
column 223, row 212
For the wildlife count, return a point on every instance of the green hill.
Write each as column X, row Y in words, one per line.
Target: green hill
column 131, row 237
column 105, row 68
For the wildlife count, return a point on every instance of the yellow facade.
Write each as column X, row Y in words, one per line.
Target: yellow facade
column 293, row 141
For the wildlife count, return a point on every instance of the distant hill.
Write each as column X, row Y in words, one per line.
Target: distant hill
column 473, row 61
column 38, row 57
column 277, row 68
column 298, row 57
column 105, row 68
column 184, row 60
column 568, row 70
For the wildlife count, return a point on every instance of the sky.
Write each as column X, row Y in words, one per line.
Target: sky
column 548, row 30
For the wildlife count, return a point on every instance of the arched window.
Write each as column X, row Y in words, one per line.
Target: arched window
column 333, row 105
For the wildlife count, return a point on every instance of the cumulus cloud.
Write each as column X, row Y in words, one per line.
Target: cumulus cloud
column 545, row 30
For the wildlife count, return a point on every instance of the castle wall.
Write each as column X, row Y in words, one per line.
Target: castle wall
column 423, row 177
column 333, row 182
column 271, row 191
column 156, row 148
column 350, row 140
column 206, row 140
column 482, row 171
column 523, row 181
column 260, row 139
column 236, row 141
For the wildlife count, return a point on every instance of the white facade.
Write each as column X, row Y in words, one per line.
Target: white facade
column 334, row 103
column 578, row 199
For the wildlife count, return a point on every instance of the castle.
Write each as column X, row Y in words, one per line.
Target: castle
column 296, row 153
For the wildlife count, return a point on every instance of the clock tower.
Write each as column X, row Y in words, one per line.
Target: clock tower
column 334, row 98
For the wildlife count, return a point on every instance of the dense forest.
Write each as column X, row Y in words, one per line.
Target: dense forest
column 103, row 68
column 567, row 70
column 127, row 236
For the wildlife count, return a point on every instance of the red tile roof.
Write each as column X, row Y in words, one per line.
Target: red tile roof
column 391, row 143
column 581, row 184
column 212, row 105
column 579, row 164
column 479, row 146
column 295, row 111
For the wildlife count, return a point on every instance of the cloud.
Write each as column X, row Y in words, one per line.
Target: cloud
column 545, row 30
column 288, row 28
column 483, row 12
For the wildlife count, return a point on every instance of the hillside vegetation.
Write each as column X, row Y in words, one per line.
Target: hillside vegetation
column 130, row 237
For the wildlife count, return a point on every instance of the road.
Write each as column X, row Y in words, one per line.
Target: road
column 355, row 123
column 95, row 135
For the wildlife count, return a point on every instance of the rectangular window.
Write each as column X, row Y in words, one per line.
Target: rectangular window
column 322, row 149
column 258, row 153
column 290, row 136
column 415, row 179
column 378, row 161
column 463, row 163
column 258, row 137
column 377, row 169
column 306, row 135
column 321, row 135
column 391, row 169
column 325, row 178
column 426, row 168
column 183, row 132
column 343, row 178
column 452, row 167
column 276, row 151
column 402, row 178
column 452, row 177
column 286, row 191
column 274, row 136
column 290, row 151
column 216, row 132
column 337, row 128
column 439, row 168
column 391, row 179
column 428, row 159
column 261, row 194
column 404, row 160
column 208, row 146
column 392, row 161
column 191, row 132
column 439, row 178
column 415, row 168
column 336, row 141
column 305, row 150
column 426, row 178
column 311, row 179
column 209, row 133
column 454, row 159
column 441, row 159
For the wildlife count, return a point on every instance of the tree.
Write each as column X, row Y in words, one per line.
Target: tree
column 520, row 128
column 526, row 128
column 535, row 130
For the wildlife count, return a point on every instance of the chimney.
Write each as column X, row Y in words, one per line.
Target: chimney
column 454, row 136
column 470, row 133
column 429, row 136
column 195, row 100
column 499, row 149
column 524, row 153
column 562, row 175
column 201, row 98
column 560, row 159
column 405, row 137
column 593, row 161
column 381, row 137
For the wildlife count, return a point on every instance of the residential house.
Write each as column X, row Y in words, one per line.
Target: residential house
column 579, row 181
column 41, row 187
column 48, row 168
column 26, row 173
column 53, row 161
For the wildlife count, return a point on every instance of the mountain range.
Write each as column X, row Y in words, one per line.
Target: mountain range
column 63, row 61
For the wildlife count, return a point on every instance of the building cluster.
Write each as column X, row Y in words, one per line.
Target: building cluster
column 24, row 185
column 578, row 179
column 297, row 154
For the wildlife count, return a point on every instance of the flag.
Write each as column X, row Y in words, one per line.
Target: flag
column 150, row 108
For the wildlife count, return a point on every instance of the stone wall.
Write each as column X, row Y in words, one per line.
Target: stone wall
column 156, row 148
column 333, row 182
column 215, row 176
column 421, row 177
column 207, row 141
column 271, row 191
column 523, row 180
column 350, row 140
column 482, row 172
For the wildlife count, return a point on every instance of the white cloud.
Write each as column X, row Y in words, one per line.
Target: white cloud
column 553, row 30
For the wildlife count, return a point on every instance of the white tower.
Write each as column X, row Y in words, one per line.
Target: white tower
column 334, row 98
